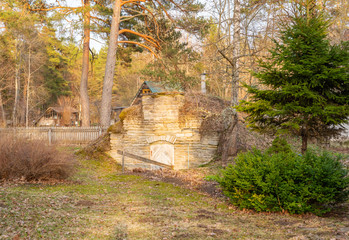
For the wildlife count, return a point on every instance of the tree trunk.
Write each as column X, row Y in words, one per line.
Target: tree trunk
column 304, row 142
column 236, row 52
column 23, row 105
column 228, row 139
column 2, row 110
column 28, row 90
column 17, row 85
column 84, row 99
column 110, row 66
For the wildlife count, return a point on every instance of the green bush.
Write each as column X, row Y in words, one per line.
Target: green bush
column 279, row 145
column 285, row 181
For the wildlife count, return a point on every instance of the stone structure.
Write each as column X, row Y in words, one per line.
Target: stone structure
column 156, row 130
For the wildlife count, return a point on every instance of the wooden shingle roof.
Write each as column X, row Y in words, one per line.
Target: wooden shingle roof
column 154, row 87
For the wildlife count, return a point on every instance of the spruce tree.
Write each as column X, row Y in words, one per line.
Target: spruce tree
column 304, row 87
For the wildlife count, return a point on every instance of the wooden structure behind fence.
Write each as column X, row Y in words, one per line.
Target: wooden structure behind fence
column 56, row 135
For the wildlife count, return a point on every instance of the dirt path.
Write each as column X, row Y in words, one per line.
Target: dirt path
column 190, row 179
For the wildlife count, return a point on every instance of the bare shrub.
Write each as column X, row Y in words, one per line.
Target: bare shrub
column 206, row 107
column 199, row 104
column 32, row 160
column 66, row 105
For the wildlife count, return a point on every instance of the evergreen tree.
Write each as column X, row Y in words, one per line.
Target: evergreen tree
column 305, row 84
column 176, row 57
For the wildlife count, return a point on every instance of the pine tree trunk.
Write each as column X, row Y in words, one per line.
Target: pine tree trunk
column 236, row 52
column 304, row 143
column 84, row 99
column 110, row 66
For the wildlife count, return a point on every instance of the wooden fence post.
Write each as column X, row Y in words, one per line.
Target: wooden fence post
column 50, row 136
column 123, row 161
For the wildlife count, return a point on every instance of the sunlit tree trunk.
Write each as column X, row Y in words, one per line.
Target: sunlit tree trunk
column 28, row 90
column 110, row 66
column 23, row 105
column 84, row 98
column 17, row 85
column 236, row 52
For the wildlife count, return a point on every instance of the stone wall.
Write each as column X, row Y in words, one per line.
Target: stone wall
column 158, row 134
column 341, row 141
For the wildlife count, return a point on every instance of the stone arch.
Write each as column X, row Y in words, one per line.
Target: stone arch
column 166, row 138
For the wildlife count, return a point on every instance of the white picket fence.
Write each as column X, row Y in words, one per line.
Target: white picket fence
column 56, row 135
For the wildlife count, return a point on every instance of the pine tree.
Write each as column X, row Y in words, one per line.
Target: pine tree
column 172, row 68
column 305, row 84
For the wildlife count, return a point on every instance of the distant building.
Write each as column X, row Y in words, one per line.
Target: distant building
column 58, row 117
column 115, row 112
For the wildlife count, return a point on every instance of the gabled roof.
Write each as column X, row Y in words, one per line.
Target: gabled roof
column 155, row 87
column 60, row 109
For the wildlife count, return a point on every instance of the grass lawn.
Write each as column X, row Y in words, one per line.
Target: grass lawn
column 102, row 203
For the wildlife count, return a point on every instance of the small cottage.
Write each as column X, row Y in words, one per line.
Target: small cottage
column 58, row 117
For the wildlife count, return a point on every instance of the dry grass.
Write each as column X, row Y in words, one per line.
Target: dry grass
column 206, row 107
column 198, row 104
column 32, row 160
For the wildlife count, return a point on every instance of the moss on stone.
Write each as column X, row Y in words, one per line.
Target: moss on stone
column 173, row 94
column 131, row 112
column 116, row 128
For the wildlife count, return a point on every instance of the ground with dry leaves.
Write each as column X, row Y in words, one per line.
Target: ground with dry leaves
column 100, row 202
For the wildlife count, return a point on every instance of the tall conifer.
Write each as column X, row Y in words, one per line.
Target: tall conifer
column 305, row 84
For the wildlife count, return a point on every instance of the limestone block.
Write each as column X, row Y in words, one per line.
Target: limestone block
column 160, row 108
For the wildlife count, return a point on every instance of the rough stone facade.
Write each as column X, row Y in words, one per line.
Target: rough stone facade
column 159, row 133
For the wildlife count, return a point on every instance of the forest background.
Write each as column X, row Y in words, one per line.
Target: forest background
column 47, row 55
